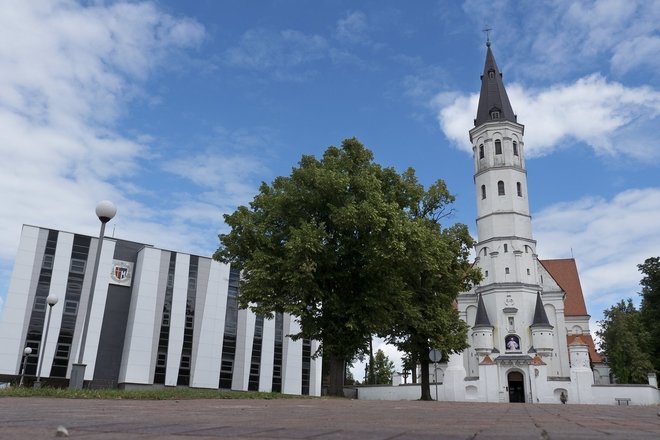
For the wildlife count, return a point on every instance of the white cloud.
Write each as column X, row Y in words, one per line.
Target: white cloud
column 67, row 72
column 593, row 110
column 629, row 54
column 280, row 53
column 608, row 238
column 352, row 28
column 564, row 36
column 229, row 175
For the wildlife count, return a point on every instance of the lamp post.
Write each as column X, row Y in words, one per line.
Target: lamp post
column 105, row 211
column 51, row 300
column 27, row 351
column 435, row 356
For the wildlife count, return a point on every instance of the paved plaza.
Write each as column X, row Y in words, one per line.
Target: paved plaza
column 39, row 418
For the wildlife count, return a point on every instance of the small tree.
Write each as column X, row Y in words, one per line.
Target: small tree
column 625, row 343
column 383, row 369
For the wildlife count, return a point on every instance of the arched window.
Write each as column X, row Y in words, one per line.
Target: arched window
column 500, row 188
column 519, row 188
column 481, row 151
column 491, row 74
column 506, row 270
column 483, row 191
column 515, row 148
column 498, row 147
column 506, row 247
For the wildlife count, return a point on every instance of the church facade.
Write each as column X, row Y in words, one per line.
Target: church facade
column 528, row 319
column 529, row 332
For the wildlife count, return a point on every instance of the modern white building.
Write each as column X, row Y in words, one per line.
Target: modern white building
column 529, row 334
column 158, row 318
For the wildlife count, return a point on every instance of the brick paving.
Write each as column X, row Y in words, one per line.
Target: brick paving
column 38, row 418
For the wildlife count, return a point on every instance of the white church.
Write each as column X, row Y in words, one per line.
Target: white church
column 529, row 328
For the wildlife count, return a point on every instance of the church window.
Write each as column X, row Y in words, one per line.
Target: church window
column 498, row 144
column 506, row 270
column 483, row 191
column 515, row 148
column 529, row 272
column 481, row 151
column 526, row 249
column 495, row 115
column 486, row 274
column 485, row 251
column 491, row 74
column 500, row 188
column 519, row 188
column 506, row 247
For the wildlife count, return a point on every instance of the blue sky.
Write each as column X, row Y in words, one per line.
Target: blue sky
column 177, row 110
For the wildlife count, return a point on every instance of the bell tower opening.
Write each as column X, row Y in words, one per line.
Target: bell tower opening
column 516, row 386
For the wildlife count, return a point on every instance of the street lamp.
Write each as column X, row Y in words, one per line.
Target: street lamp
column 105, row 211
column 27, row 351
column 51, row 300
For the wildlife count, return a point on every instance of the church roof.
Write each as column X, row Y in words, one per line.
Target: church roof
column 482, row 316
column 493, row 96
column 565, row 273
column 540, row 317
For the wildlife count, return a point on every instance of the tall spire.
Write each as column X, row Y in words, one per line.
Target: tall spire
column 494, row 103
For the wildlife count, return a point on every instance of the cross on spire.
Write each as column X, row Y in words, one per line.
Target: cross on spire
column 487, row 30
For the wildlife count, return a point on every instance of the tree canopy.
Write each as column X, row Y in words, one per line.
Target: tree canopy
column 436, row 268
column 625, row 341
column 650, row 307
column 383, row 369
column 347, row 247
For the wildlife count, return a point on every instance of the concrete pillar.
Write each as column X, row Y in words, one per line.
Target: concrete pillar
column 454, row 380
column 582, row 378
column 489, row 380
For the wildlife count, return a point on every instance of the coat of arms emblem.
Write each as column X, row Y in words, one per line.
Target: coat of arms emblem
column 121, row 272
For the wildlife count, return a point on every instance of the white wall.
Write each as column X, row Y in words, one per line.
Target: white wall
column 402, row 392
column 16, row 303
column 136, row 359
column 638, row 394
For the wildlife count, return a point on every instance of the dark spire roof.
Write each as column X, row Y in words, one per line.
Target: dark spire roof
column 493, row 96
column 482, row 317
column 540, row 317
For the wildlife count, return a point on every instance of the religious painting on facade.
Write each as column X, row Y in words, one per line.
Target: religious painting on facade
column 512, row 343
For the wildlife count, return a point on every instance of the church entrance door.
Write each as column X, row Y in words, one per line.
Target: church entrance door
column 516, row 387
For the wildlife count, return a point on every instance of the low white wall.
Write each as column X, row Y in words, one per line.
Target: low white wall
column 388, row 392
column 638, row 394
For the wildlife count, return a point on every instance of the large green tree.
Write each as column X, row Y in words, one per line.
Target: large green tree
column 323, row 244
column 436, row 268
column 625, row 342
column 650, row 307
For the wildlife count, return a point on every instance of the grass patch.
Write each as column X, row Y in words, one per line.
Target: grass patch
column 150, row 394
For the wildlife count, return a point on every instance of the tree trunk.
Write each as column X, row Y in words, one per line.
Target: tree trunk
column 426, row 387
column 335, row 376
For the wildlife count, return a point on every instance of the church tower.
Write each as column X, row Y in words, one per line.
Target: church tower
column 513, row 321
